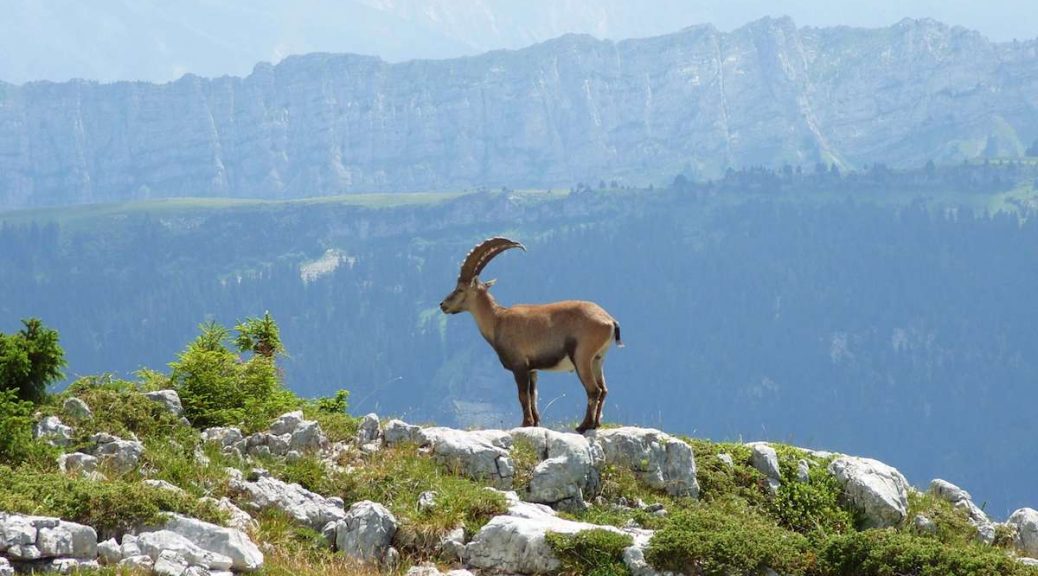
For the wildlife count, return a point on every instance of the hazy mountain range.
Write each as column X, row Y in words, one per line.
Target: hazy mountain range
column 110, row 40
column 572, row 109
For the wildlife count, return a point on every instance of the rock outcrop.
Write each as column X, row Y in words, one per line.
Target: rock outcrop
column 555, row 113
column 879, row 491
column 660, row 460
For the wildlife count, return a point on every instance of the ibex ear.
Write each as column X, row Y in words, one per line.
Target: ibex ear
column 474, row 282
column 489, row 283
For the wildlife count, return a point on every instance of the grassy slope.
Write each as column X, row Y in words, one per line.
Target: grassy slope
column 736, row 527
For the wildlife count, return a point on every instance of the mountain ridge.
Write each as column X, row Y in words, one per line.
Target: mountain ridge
column 572, row 109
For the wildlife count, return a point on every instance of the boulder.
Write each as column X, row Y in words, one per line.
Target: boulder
column 71, row 565
column 304, row 506
column 961, row 500
column 163, row 543
column 660, row 460
column 479, row 454
column 369, row 431
column 398, row 431
column 287, row 423
column 307, row 437
column 237, row 518
column 79, row 464
column 170, row 563
column 235, row 544
column 120, row 456
column 366, row 532
column 39, row 537
column 129, row 547
column 140, row 562
column 109, row 552
column 223, row 436
column 764, row 458
column 67, row 540
column 879, row 491
column 52, row 431
column 568, row 467
column 5, row 567
column 432, row 570
column 426, row 501
column 76, row 409
column 1025, row 521
column 803, row 471
column 169, row 399
column 164, row 485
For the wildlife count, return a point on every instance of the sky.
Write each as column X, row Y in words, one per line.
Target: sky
column 159, row 41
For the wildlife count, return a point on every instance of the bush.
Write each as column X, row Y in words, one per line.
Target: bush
column 110, row 507
column 217, row 388
column 727, row 538
column 886, row 553
column 591, row 552
column 30, row 360
column 120, row 409
column 16, row 441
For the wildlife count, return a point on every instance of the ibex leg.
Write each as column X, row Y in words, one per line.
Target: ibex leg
column 522, row 382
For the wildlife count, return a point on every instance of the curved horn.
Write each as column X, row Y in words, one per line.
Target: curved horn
column 482, row 254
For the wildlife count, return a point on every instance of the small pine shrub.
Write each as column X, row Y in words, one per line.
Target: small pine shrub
column 217, row 388
column 727, row 538
column 887, row 553
column 591, row 552
column 16, row 441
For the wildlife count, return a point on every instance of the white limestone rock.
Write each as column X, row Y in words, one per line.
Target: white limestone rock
column 76, row 409
column 961, row 500
column 170, row 563
column 109, row 552
column 120, row 456
column 287, row 423
column 660, row 460
column 67, row 540
column 568, row 470
column 304, row 506
column 155, row 544
column 235, row 544
column 765, row 460
column 169, row 399
column 879, row 491
column 478, row 454
column 398, row 431
column 366, row 532
column 164, row 485
column 237, row 518
column 139, row 562
column 5, row 567
column 1025, row 521
column 80, row 464
column 53, row 431
column 72, row 565
column 370, row 430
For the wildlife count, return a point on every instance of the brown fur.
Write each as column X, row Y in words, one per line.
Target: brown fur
column 532, row 337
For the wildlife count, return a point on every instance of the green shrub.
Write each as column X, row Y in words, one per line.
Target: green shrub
column 812, row 508
column 16, row 441
column 30, row 359
column 591, row 552
column 111, row 507
column 119, row 408
column 717, row 480
column 217, row 388
column 953, row 525
column 330, row 413
column 890, row 553
column 727, row 538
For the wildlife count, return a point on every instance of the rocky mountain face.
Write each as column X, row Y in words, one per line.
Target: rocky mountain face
column 567, row 110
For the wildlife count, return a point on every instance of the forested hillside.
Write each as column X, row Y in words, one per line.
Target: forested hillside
column 879, row 313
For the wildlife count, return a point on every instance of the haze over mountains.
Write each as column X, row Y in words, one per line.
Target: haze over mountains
column 573, row 109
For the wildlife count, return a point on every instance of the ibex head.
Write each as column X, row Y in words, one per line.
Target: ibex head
column 469, row 283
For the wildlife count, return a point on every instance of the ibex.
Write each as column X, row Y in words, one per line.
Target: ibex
column 561, row 336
